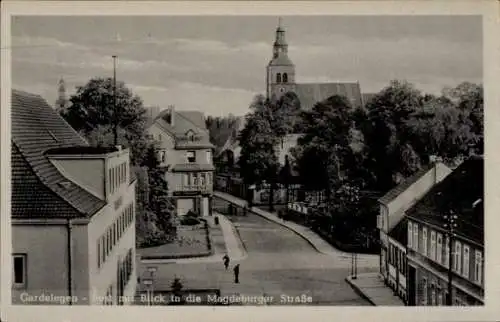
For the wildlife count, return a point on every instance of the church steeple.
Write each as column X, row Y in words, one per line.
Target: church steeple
column 280, row 45
column 280, row 76
column 62, row 101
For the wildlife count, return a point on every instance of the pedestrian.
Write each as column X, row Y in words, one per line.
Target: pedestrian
column 226, row 261
column 236, row 273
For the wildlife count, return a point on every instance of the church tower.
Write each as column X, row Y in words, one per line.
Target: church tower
column 62, row 101
column 280, row 77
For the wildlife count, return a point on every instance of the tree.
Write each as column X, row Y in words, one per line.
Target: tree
column 324, row 146
column 93, row 114
column 258, row 160
column 385, row 131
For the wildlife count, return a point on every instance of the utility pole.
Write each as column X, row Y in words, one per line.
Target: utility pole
column 450, row 226
column 115, row 110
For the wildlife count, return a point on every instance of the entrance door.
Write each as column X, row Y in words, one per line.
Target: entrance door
column 412, row 287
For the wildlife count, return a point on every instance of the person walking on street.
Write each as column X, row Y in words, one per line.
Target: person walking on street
column 226, row 261
column 236, row 273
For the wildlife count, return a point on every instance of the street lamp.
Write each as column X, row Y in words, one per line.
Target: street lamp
column 148, row 282
column 450, row 226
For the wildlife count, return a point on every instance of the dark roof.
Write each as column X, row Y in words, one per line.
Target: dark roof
column 396, row 191
column 38, row 188
column 185, row 167
column 462, row 192
column 310, row 94
column 281, row 60
column 400, row 232
column 82, row 150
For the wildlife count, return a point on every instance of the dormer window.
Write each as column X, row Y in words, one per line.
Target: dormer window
column 190, row 135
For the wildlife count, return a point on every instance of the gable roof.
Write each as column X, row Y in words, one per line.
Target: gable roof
column 310, row 94
column 408, row 182
column 462, row 192
column 38, row 188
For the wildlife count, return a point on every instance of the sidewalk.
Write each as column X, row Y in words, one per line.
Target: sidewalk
column 314, row 239
column 234, row 247
column 372, row 288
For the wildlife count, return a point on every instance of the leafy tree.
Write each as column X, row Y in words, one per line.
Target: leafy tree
column 258, row 160
column 324, row 145
column 92, row 112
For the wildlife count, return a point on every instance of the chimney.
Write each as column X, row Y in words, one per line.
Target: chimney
column 172, row 115
column 435, row 159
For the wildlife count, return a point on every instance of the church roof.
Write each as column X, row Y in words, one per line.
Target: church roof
column 311, row 93
column 281, row 60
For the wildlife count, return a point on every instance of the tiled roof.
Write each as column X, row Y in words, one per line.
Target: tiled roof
column 38, row 188
column 462, row 191
column 184, row 167
column 400, row 232
column 310, row 94
column 396, row 191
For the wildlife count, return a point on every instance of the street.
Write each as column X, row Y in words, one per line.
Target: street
column 280, row 264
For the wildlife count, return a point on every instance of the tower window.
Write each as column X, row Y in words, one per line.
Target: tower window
column 285, row 78
column 278, row 78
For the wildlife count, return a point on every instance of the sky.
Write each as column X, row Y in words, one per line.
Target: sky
column 216, row 64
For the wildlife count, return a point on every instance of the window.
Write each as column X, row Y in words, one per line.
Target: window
column 191, row 156
column 285, row 78
column 478, row 267
column 433, row 245
column 465, row 270
column 278, row 78
column 99, row 253
column 410, row 235
column 415, row 237
column 20, row 270
column 424, row 241
column 447, row 252
column 457, row 265
column 439, row 250
column 433, row 294
column 110, row 186
column 424, row 291
column 209, row 156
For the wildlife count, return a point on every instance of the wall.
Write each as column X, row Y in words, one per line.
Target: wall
column 87, row 173
column 47, row 257
column 101, row 278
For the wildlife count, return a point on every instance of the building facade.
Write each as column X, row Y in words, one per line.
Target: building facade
column 73, row 212
column 391, row 222
column 430, row 261
column 186, row 154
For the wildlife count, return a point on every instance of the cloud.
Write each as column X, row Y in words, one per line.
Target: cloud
column 211, row 100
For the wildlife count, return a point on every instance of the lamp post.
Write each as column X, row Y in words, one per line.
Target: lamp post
column 115, row 111
column 148, row 282
column 450, row 226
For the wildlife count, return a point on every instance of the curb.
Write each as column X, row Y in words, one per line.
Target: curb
column 358, row 291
